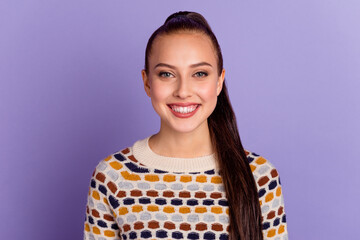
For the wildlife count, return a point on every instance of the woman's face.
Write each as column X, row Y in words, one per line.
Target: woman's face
column 183, row 80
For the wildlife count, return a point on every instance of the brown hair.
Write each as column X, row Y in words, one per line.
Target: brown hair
column 238, row 180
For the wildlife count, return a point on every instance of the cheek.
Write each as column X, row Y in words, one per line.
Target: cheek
column 158, row 92
column 208, row 93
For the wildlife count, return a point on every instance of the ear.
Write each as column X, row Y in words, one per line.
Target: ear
column 146, row 82
column 220, row 82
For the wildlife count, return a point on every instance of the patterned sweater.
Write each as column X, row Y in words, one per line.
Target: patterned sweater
column 137, row 194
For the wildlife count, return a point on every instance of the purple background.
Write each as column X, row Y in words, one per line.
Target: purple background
column 71, row 93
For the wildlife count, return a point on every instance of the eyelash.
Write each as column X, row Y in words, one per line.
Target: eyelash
column 162, row 73
column 204, row 74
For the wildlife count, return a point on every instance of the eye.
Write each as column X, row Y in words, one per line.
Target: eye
column 201, row 74
column 165, row 74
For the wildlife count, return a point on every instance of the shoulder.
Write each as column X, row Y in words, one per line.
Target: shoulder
column 270, row 196
column 120, row 165
column 266, row 177
column 268, row 183
column 262, row 169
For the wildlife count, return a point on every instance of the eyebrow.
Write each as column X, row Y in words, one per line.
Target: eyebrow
column 192, row 65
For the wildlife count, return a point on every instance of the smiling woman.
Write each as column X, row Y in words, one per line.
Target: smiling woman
column 193, row 179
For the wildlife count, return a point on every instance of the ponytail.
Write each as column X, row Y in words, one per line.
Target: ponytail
column 239, row 183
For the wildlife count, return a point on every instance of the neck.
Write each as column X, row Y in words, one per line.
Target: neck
column 182, row 144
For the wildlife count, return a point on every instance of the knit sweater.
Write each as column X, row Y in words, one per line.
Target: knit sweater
column 138, row 194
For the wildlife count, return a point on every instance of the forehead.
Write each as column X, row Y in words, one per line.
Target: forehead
column 183, row 47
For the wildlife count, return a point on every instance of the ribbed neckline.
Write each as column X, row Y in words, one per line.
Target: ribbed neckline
column 143, row 153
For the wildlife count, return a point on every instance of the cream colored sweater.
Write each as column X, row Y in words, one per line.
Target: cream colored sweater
column 138, row 194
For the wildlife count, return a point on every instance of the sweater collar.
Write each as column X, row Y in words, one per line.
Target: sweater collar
column 143, row 153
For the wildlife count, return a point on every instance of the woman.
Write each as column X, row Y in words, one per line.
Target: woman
column 193, row 179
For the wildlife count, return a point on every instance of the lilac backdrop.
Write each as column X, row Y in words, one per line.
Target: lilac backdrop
column 71, row 93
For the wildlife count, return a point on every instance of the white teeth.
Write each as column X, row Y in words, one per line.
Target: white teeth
column 187, row 109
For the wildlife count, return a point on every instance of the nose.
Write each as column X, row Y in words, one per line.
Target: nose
column 183, row 88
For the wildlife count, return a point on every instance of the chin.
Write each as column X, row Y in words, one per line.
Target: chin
column 185, row 128
column 188, row 130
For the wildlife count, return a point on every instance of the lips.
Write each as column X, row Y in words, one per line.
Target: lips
column 184, row 110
